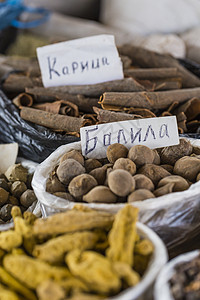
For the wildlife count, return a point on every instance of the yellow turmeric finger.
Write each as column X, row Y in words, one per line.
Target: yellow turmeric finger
column 122, row 235
column 144, row 247
column 10, row 239
column 53, row 251
column 31, row 271
column 95, row 270
column 15, row 285
column 6, row 294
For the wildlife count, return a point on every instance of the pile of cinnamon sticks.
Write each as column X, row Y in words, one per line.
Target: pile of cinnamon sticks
column 154, row 85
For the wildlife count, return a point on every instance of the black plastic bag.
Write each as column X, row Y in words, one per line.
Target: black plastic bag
column 35, row 142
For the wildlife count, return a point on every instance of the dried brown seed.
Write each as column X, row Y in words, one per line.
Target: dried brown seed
column 140, row 195
column 154, row 172
column 17, row 172
column 156, row 160
column 121, row 182
column 27, row 198
column 5, row 212
column 73, row 154
column 81, row 185
column 169, row 168
column 169, row 155
column 3, row 196
column 99, row 174
column 64, row 195
column 91, row 164
column 180, row 184
column 187, row 167
column 68, row 169
column 109, row 170
column 125, row 164
column 196, row 150
column 4, row 184
column 17, row 188
column 13, row 200
column 54, row 185
column 165, row 189
column 116, row 151
column 29, row 180
column 141, row 155
column 100, row 194
column 143, row 182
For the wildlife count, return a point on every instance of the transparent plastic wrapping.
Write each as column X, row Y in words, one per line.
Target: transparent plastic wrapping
column 174, row 217
column 162, row 287
column 35, row 207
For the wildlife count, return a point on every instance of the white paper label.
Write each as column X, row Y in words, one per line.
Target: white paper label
column 151, row 132
column 83, row 61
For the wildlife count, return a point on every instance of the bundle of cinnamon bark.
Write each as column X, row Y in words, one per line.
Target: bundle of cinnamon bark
column 154, row 85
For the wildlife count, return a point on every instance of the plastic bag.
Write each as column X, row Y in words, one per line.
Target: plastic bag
column 35, row 142
column 10, row 10
column 174, row 217
column 162, row 288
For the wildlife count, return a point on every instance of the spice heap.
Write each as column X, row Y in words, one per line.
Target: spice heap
column 15, row 189
column 154, row 85
column 125, row 175
column 72, row 255
column 185, row 283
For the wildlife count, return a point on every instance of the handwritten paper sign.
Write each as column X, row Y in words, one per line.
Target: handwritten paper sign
column 82, row 61
column 151, row 132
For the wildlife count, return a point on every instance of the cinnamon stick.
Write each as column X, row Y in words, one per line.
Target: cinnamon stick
column 162, row 84
column 42, row 95
column 149, row 59
column 53, row 121
column 151, row 73
column 95, row 90
column 23, row 99
column 107, row 116
column 149, row 100
column 167, row 85
column 16, row 83
column 63, row 107
column 144, row 112
column 191, row 109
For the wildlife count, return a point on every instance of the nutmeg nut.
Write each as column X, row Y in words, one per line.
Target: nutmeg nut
column 141, row 155
column 187, row 167
column 91, row 164
column 54, row 185
column 154, row 172
column 180, row 183
column 140, row 195
column 75, row 154
column 125, row 164
column 100, row 194
column 116, row 151
column 121, row 182
column 143, row 182
column 81, row 185
column 68, row 169
column 169, row 155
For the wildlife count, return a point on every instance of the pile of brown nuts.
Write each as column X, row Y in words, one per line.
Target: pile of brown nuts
column 185, row 283
column 15, row 189
column 125, row 175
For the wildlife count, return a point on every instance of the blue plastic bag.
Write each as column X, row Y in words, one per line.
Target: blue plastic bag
column 10, row 10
